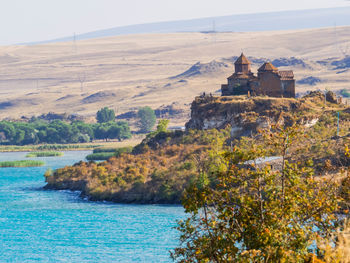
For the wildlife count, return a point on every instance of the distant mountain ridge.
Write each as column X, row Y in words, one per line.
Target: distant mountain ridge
column 284, row 20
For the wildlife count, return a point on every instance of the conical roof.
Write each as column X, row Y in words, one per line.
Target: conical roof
column 242, row 60
column 268, row 67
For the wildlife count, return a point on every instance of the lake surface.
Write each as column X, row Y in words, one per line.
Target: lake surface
column 58, row 226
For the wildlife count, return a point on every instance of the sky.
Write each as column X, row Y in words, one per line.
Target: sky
column 37, row 20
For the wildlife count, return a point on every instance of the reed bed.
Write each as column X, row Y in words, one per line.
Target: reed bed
column 44, row 154
column 21, row 163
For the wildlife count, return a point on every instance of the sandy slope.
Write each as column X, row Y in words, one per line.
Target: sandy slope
column 127, row 72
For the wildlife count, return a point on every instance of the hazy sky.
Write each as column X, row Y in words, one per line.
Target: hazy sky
column 36, row 20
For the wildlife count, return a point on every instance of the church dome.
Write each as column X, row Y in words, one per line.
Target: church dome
column 242, row 60
column 267, row 67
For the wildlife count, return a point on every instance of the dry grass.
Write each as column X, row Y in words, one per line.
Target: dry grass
column 340, row 253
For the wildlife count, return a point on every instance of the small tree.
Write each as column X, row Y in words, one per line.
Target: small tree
column 162, row 125
column 161, row 128
column 105, row 115
column 147, row 119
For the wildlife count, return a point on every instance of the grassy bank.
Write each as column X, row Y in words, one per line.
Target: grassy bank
column 102, row 154
column 44, row 154
column 47, row 147
column 21, row 163
column 104, row 150
column 70, row 147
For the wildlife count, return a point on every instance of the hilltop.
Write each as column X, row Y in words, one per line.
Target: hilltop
column 248, row 114
column 269, row 21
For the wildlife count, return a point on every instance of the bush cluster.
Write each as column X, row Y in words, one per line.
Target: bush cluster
column 57, row 131
column 159, row 175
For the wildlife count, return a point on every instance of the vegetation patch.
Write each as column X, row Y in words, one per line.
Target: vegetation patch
column 45, row 147
column 44, row 154
column 101, row 156
column 104, row 150
column 22, row 163
column 38, row 131
column 122, row 150
column 65, row 147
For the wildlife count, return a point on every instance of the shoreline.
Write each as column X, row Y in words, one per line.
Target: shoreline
column 120, row 198
column 69, row 146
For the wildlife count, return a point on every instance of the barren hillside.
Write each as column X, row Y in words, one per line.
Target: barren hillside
column 158, row 70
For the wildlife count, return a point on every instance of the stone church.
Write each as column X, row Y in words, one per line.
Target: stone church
column 270, row 81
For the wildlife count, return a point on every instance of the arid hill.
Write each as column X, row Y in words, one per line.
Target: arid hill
column 158, row 70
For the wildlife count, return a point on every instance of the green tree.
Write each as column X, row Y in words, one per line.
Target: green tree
column 125, row 132
column 161, row 128
column 105, row 115
column 8, row 129
column 86, row 130
column 147, row 119
column 19, row 137
column 113, row 130
column 65, row 132
column 162, row 125
column 251, row 213
column 30, row 136
column 101, row 131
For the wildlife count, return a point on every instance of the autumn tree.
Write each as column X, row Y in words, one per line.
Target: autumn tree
column 249, row 212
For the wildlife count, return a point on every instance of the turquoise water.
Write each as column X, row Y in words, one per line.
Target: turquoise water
column 58, row 226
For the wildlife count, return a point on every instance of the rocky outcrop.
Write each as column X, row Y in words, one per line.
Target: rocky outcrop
column 246, row 115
